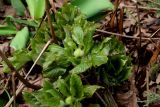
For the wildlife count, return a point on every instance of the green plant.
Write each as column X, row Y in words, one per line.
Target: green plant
column 66, row 92
column 76, row 52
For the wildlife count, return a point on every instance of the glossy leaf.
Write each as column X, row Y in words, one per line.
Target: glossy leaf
column 98, row 59
column 30, row 98
column 54, row 72
column 21, row 39
column 78, row 35
column 20, row 57
column 82, row 67
column 89, row 90
column 36, row 8
column 76, row 87
column 92, row 7
column 47, row 99
column 63, row 87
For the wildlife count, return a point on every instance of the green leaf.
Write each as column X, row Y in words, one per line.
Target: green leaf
column 89, row 29
column 76, row 87
column 68, row 41
column 28, row 22
column 20, row 57
column 47, row 99
column 48, row 88
column 92, row 7
column 78, row 35
column 7, row 30
column 30, row 98
column 63, row 87
column 77, row 104
column 54, row 55
column 82, row 67
column 19, row 7
column 98, row 59
column 36, row 8
column 21, row 39
column 90, row 89
column 54, row 72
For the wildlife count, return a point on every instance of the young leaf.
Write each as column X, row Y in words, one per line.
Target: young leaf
column 19, row 7
column 90, row 89
column 76, row 87
column 63, row 87
column 20, row 57
column 98, row 59
column 21, row 39
column 92, row 7
column 30, row 98
column 78, row 35
column 82, row 67
column 54, row 72
column 47, row 99
column 36, row 8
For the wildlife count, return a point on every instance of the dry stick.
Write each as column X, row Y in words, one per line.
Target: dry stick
column 21, row 85
column 126, row 36
column 134, row 99
column 155, row 32
column 140, row 7
column 17, row 92
column 50, row 23
column 14, row 89
column 11, row 67
column 104, row 103
column 52, row 5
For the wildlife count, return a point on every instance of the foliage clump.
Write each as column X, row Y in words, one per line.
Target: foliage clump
column 76, row 52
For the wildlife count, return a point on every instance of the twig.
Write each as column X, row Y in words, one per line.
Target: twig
column 155, row 32
column 14, row 89
column 11, row 67
column 134, row 99
column 140, row 7
column 50, row 23
column 126, row 36
column 133, row 88
column 17, row 92
column 104, row 103
column 44, row 48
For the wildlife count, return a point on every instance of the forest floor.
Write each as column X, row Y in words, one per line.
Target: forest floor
column 137, row 26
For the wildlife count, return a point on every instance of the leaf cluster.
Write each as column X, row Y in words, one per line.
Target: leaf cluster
column 75, row 53
column 66, row 92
